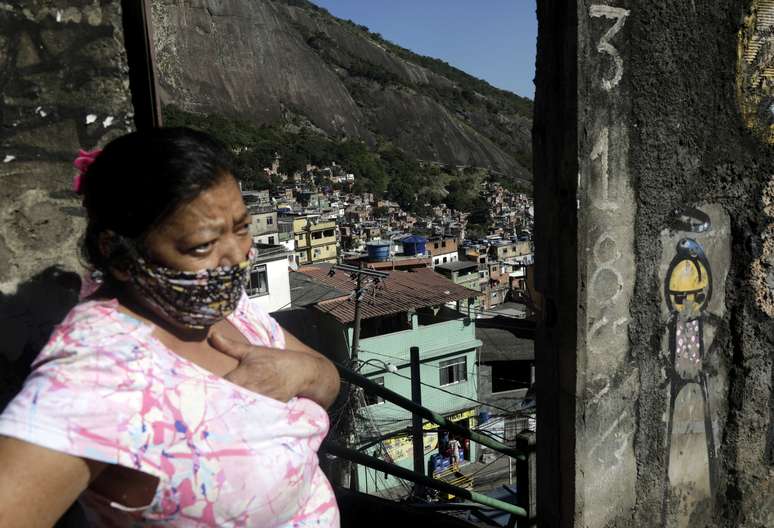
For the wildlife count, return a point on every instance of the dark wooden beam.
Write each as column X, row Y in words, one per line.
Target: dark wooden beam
column 138, row 39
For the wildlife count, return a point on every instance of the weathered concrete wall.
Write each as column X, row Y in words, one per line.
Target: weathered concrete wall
column 64, row 85
column 665, row 370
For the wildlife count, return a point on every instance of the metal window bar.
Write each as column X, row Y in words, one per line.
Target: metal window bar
column 401, row 472
column 357, row 457
column 427, row 414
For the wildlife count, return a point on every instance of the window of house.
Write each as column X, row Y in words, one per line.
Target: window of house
column 373, row 399
column 259, row 284
column 271, row 240
column 269, row 220
column 435, row 245
column 453, row 371
column 445, row 259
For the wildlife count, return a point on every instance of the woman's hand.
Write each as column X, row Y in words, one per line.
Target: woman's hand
column 280, row 374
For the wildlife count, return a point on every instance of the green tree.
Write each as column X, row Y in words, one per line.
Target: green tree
column 480, row 212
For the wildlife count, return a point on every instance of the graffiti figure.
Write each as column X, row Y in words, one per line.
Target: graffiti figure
column 691, row 477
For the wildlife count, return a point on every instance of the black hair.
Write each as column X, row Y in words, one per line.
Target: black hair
column 141, row 178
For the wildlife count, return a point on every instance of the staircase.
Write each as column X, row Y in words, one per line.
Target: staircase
column 455, row 478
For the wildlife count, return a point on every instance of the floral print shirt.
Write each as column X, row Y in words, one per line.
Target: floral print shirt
column 106, row 389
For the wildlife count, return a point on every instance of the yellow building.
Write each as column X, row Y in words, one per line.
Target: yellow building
column 315, row 240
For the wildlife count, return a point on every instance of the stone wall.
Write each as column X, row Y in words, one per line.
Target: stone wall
column 654, row 123
column 64, row 86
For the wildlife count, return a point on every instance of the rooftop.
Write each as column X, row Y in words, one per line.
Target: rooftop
column 266, row 252
column 399, row 292
column 502, row 344
column 399, row 259
column 305, row 291
column 457, row 266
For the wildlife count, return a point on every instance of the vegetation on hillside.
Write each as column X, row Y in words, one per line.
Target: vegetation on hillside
column 384, row 169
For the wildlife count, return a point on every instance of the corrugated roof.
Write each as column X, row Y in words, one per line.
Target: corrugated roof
column 305, row 291
column 400, row 292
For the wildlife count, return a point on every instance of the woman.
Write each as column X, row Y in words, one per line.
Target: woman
column 166, row 398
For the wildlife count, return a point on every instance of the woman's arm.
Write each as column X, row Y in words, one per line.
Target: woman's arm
column 38, row 485
column 281, row 374
column 324, row 383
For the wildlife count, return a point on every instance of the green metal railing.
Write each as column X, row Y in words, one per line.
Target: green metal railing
column 427, row 414
column 397, row 471
column 401, row 472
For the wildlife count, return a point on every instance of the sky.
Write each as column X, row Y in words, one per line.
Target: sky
column 493, row 40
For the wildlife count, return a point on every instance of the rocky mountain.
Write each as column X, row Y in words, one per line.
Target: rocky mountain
column 291, row 61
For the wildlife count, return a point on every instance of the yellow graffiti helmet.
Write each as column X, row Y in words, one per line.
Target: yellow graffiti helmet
column 689, row 281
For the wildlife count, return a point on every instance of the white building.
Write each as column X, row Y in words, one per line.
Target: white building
column 269, row 286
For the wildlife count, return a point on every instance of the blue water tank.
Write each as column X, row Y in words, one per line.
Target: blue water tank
column 414, row 245
column 434, row 462
column 378, row 250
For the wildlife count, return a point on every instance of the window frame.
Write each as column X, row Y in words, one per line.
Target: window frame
column 256, row 292
column 451, row 364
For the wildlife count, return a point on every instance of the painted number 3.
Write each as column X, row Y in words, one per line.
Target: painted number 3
column 618, row 14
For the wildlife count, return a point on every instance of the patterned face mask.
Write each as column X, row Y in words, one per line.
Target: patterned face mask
column 196, row 299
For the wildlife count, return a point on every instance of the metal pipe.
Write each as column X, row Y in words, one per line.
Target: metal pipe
column 406, row 474
column 418, row 436
column 400, row 401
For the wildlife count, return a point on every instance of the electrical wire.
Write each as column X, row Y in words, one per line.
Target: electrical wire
column 378, row 353
column 437, row 365
column 458, row 395
column 378, row 432
column 470, row 373
column 453, row 393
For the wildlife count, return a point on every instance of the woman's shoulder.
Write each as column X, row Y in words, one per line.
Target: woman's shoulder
column 85, row 386
column 95, row 327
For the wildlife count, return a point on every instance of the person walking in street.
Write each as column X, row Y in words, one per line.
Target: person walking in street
column 454, row 446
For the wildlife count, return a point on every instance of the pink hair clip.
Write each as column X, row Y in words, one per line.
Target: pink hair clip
column 82, row 163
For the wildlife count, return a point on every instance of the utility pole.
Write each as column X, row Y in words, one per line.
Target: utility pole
column 355, row 392
column 418, row 439
column 356, row 330
column 348, row 475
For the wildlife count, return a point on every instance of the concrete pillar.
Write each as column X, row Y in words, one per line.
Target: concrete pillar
column 653, row 191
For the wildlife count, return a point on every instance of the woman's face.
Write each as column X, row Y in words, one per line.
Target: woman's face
column 209, row 231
